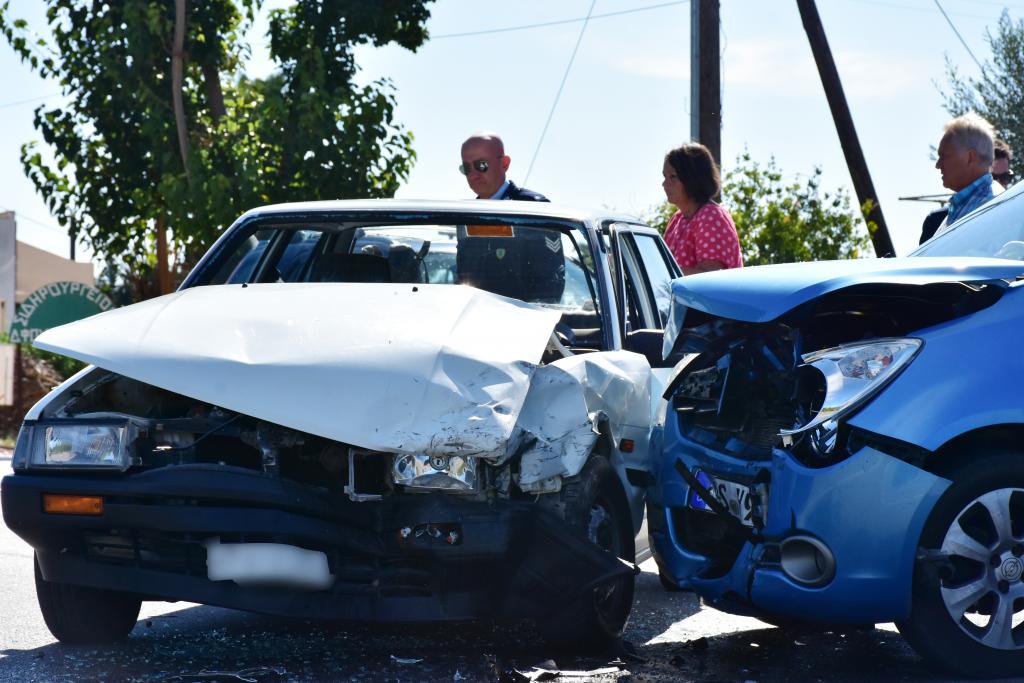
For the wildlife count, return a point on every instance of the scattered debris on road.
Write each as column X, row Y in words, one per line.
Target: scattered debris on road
column 256, row 674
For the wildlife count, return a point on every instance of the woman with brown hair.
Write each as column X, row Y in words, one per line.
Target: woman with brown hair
column 701, row 234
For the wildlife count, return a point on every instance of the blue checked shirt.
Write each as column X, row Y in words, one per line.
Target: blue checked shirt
column 969, row 198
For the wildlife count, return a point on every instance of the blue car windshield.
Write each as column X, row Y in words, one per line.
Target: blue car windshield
column 995, row 229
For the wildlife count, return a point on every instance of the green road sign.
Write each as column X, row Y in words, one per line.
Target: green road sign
column 56, row 304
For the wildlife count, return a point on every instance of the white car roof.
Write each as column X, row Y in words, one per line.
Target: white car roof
column 474, row 206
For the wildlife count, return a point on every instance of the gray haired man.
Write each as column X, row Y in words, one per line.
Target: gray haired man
column 964, row 158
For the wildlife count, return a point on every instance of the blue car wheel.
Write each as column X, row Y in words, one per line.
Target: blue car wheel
column 968, row 604
column 669, row 584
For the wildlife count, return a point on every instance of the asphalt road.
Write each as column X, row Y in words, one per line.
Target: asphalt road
column 674, row 638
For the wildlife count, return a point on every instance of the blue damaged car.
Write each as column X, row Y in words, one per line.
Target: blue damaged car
column 845, row 443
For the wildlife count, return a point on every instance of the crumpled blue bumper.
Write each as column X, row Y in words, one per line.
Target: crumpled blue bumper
column 868, row 509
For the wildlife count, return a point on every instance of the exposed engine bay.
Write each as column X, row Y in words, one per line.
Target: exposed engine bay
column 750, row 383
column 178, row 430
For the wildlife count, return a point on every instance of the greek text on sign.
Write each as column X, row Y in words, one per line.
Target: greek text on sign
column 55, row 304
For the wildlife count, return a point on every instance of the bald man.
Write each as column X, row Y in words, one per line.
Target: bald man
column 484, row 163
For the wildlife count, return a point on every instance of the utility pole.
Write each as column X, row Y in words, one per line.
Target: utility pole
column 163, row 273
column 705, row 77
column 844, row 125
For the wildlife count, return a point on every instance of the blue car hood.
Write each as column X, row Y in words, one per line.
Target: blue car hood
column 765, row 293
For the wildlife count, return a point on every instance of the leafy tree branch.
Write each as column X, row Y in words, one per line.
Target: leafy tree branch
column 160, row 121
column 998, row 94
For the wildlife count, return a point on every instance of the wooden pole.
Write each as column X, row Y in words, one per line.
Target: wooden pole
column 844, row 126
column 163, row 273
column 177, row 83
column 705, row 76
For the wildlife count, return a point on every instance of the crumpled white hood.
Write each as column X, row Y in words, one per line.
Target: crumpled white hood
column 402, row 368
column 434, row 369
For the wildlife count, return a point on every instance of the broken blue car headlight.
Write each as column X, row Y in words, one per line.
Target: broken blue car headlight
column 852, row 374
column 452, row 473
column 75, row 445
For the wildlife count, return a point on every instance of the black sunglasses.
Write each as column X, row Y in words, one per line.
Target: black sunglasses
column 1003, row 178
column 480, row 165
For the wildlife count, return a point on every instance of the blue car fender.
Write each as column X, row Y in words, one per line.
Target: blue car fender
column 968, row 375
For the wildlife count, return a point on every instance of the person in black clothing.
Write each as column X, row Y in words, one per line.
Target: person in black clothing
column 931, row 224
column 484, row 163
column 1001, row 171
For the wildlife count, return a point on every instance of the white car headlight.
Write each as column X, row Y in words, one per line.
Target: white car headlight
column 853, row 373
column 79, row 445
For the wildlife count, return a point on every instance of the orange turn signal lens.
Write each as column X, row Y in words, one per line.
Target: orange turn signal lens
column 490, row 231
column 60, row 504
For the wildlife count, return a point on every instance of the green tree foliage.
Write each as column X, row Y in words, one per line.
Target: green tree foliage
column 115, row 166
column 998, row 95
column 784, row 223
column 63, row 365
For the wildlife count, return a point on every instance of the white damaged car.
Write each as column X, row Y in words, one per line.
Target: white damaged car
column 360, row 410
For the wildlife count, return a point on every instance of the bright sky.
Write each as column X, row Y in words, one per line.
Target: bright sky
column 626, row 99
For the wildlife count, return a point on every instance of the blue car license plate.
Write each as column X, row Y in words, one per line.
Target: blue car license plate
column 735, row 497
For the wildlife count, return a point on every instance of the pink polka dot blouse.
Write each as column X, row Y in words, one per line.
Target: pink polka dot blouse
column 708, row 234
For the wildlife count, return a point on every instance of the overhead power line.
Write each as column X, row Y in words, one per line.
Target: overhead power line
column 558, row 22
column 605, row 15
column 996, row 3
column 5, row 105
column 554, row 104
column 40, row 223
column 962, row 41
column 913, row 8
column 20, row 216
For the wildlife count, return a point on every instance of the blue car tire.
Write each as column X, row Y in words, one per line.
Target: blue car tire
column 969, row 583
column 668, row 584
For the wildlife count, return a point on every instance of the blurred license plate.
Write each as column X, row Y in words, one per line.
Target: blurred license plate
column 267, row 563
column 735, row 497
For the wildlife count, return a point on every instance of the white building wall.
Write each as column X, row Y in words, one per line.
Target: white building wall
column 37, row 267
column 8, row 269
column 24, row 269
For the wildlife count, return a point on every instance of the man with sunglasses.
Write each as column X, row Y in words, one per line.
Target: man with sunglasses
column 484, row 164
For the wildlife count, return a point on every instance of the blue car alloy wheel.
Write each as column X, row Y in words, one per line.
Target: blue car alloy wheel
column 968, row 602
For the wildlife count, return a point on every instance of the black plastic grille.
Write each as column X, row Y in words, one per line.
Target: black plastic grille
column 185, row 554
column 177, row 553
